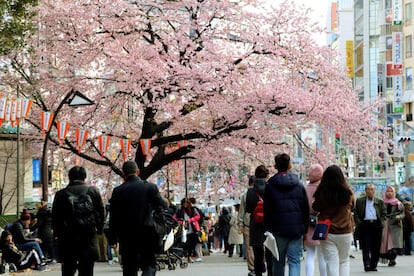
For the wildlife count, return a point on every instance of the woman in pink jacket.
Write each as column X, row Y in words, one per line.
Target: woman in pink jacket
column 312, row 246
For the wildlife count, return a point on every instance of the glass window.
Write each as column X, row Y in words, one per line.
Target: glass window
column 389, row 82
column 408, row 46
column 408, row 14
column 409, row 78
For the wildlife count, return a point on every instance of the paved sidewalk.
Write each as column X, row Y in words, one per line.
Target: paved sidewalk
column 220, row 264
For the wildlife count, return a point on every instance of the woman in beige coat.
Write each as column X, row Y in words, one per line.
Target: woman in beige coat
column 312, row 246
column 235, row 236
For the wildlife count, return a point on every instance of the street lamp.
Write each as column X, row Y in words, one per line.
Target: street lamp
column 74, row 98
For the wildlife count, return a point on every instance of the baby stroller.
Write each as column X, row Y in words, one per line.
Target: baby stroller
column 172, row 254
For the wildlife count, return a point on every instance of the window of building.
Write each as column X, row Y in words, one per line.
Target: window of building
column 389, row 82
column 409, row 78
column 408, row 46
column 408, row 14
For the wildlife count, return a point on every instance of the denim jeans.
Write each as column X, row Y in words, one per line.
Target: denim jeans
column 30, row 245
column 289, row 248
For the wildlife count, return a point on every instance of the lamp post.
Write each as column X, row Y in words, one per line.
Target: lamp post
column 74, row 98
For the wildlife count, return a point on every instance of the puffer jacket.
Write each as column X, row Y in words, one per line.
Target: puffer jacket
column 286, row 207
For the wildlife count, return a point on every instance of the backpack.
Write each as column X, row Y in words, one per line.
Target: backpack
column 81, row 210
column 258, row 213
column 202, row 217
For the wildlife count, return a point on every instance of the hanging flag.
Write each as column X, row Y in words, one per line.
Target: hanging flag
column 81, row 136
column 7, row 116
column 13, row 114
column 145, row 147
column 62, row 131
column 103, row 141
column 25, row 105
column 45, row 121
column 125, row 147
column 3, row 102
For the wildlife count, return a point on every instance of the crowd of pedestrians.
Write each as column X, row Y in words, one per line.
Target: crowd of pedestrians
column 379, row 225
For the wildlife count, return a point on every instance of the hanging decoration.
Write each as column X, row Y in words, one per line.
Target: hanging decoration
column 13, row 113
column 7, row 116
column 146, row 147
column 62, row 131
column 81, row 136
column 45, row 121
column 103, row 141
column 125, row 147
column 25, row 105
column 3, row 103
column 182, row 143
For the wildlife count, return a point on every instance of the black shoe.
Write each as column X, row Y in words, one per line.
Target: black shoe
column 42, row 268
column 392, row 263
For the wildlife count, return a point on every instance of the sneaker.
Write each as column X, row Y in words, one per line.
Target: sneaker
column 12, row 267
column 53, row 261
column 198, row 260
column 110, row 262
column 42, row 268
column 251, row 273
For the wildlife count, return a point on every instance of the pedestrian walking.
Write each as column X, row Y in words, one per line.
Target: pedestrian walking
column 369, row 217
column 130, row 205
column 77, row 217
column 408, row 227
column 188, row 217
column 244, row 226
column 286, row 215
column 235, row 235
column 312, row 246
column 392, row 235
column 257, row 229
column 334, row 200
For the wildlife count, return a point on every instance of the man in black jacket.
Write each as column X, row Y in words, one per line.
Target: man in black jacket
column 130, row 204
column 369, row 217
column 286, row 214
column 77, row 246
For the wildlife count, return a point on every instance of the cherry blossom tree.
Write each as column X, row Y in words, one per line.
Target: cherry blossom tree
column 238, row 81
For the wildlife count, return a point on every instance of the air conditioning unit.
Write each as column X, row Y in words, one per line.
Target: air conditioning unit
column 409, row 117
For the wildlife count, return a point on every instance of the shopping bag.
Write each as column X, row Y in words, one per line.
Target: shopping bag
column 270, row 243
column 321, row 229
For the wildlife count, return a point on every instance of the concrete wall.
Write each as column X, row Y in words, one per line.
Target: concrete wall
column 9, row 192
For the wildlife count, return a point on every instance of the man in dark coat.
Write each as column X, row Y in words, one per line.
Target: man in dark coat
column 130, row 204
column 369, row 217
column 286, row 214
column 77, row 247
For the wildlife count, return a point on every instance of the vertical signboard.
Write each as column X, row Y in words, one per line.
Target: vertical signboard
column 397, row 63
column 36, row 170
column 398, row 106
column 397, row 11
column 350, row 58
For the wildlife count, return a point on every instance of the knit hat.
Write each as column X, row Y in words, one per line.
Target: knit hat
column 25, row 216
column 315, row 173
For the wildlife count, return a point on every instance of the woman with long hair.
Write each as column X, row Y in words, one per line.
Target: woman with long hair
column 188, row 216
column 334, row 200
